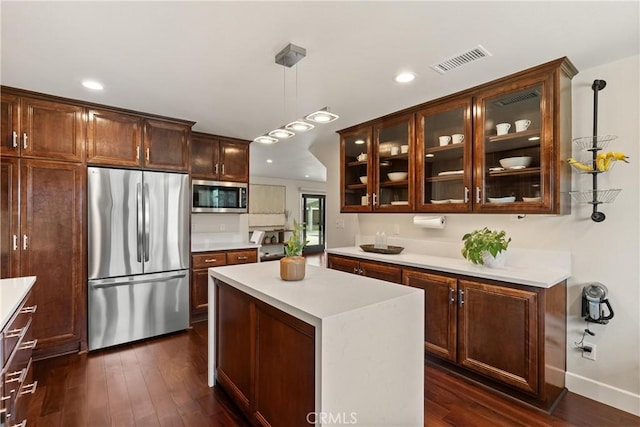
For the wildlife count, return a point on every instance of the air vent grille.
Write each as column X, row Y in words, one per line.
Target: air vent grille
column 461, row 59
column 517, row 98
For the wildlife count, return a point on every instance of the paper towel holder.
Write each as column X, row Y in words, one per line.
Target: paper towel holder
column 429, row 221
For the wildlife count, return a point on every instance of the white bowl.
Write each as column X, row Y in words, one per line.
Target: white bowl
column 515, row 162
column 440, row 202
column 363, row 179
column 397, row 176
column 532, row 199
column 456, row 200
column 502, row 199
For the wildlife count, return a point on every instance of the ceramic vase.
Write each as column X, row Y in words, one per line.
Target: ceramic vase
column 292, row 268
column 490, row 261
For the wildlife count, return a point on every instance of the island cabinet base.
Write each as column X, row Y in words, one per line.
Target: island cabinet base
column 265, row 359
column 331, row 349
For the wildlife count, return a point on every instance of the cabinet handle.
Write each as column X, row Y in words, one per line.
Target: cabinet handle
column 24, row 140
column 22, row 424
column 375, row 199
column 216, row 169
column 13, row 333
column 29, row 345
column 29, row 389
column 367, row 199
column 25, row 242
column 137, row 153
column 243, row 257
column 15, row 139
column 148, row 155
column 28, row 310
column 452, row 299
column 223, row 169
column 15, row 242
column 13, row 376
column 355, row 270
column 363, row 272
column 477, row 194
column 466, row 194
column 211, row 260
column 460, row 297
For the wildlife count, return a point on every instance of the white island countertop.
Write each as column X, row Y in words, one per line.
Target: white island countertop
column 540, row 275
column 369, row 338
column 12, row 292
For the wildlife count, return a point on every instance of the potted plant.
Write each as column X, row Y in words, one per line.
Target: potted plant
column 292, row 266
column 486, row 247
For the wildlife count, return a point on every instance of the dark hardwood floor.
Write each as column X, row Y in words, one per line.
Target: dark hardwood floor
column 162, row 382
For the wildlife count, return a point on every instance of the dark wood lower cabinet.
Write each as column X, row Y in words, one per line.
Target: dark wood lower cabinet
column 265, row 359
column 375, row 270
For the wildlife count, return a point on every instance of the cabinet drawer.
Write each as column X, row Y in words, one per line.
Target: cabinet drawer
column 242, row 257
column 20, row 407
column 15, row 329
column 207, row 260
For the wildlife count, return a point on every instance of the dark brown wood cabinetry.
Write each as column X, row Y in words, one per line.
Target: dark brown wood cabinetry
column 510, row 337
column 114, row 138
column 40, row 128
column 375, row 270
column 200, row 263
column 463, row 171
column 166, row 145
column 265, row 359
column 219, row 158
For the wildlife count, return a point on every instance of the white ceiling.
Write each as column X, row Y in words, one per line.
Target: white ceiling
column 213, row 62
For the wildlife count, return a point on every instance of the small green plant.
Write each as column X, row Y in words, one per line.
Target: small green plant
column 295, row 244
column 478, row 241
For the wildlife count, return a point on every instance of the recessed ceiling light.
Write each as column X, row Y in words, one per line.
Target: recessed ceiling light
column 281, row 133
column 306, row 176
column 269, row 161
column 359, row 141
column 405, row 77
column 92, row 84
column 266, row 140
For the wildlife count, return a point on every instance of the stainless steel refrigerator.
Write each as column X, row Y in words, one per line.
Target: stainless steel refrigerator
column 138, row 254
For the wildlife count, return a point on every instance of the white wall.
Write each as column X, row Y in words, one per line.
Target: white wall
column 606, row 252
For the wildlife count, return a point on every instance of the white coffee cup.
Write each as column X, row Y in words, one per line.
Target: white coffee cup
column 404, row 149
column 457, row 138
column 522, row 125
column 395, row 150
column 444, row 140
column 503, row 128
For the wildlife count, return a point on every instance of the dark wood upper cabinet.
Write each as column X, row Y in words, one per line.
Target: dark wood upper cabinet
column 39, row 128
column 463, row 173
column 114, row 138
column 219, row 158
column 166, row 145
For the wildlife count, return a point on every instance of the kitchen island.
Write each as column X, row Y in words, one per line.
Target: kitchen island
column 331, row 349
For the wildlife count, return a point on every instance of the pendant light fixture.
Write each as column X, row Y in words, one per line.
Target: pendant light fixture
column 288, row 57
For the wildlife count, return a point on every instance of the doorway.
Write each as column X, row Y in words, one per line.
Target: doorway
column 313, row 215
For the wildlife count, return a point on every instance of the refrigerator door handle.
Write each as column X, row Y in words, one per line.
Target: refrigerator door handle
column 146, row 222
column 101, row 284
column 139, row 221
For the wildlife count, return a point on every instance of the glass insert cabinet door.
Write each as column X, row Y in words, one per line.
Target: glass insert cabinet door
column 513, row 156
column 357, row 174
column 444, row 140
column 393, row 191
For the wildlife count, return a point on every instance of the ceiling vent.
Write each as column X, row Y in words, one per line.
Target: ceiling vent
column 519, row 97
column 461, row 59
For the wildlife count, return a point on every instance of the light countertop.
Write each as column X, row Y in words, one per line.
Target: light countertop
column 540, row 276
column 321, row 294
column 12, row 292
column 220, row 246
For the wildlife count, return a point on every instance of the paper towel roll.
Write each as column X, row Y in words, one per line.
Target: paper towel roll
column 428, row 221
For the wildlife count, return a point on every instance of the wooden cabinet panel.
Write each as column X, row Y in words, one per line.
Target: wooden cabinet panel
column 234, row 159
column 284, row 368
column 199, row 293
column 234, row 351
column 242, row 257
column 51, row 219
column 10, row 125
column 218, row 158
column 390, row 273
column 348, row 265
column 498, row 333
column 166, row 145
column 208, row 259
column 10, row 238
column 52, row 130
column 113, row 138
column 440, row 317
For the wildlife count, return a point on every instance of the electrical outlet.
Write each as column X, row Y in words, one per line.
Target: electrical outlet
column 396, row 229
column 591, row 355
column 339, row 223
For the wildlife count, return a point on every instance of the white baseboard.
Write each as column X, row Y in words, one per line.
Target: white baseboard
column 604, row 393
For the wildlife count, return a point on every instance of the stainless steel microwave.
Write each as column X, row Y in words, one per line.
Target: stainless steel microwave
column 218, row 196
